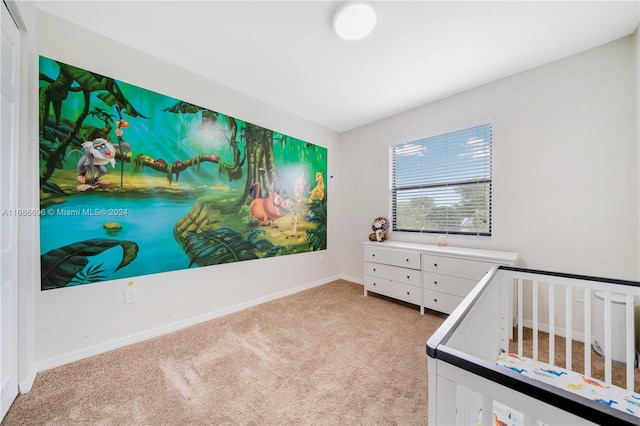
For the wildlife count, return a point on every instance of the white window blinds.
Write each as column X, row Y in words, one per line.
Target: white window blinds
column 442, row 184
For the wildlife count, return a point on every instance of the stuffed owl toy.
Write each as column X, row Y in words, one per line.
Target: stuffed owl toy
column 380, row 229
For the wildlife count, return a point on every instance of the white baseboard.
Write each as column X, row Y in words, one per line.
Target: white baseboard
column 100, row 348
column 352, row 279
column 575, row 335
column 25, row 386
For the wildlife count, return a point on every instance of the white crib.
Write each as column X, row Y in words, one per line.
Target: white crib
column 467, row 355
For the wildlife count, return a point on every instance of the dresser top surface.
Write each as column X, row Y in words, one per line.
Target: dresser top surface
column 447, row 250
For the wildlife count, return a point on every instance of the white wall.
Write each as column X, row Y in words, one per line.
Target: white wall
column 565, row 165
column 72, row 323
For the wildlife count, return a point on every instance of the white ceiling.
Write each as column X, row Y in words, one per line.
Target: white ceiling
column 286, row 54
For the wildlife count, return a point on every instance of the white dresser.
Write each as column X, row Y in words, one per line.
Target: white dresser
column 429, row 276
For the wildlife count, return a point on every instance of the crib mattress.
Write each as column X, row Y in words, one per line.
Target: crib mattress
column 586, row 387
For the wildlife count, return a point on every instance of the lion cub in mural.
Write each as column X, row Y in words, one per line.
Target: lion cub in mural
column 318, row 191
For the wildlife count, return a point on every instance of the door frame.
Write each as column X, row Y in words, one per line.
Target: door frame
column 11, row 87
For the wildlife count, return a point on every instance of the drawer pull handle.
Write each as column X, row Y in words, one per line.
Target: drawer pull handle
column 435, row 300
column 408, row 293
column 373, row 255
column 374, row 269
column 435, row 282
column 374, row 284
column 435, row 265
column 407, row 260
column 408, row 277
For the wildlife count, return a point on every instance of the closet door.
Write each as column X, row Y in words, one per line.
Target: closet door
column 9, row 125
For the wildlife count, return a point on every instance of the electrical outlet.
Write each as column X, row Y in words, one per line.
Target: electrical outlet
column 580, row 295
column 130, row 295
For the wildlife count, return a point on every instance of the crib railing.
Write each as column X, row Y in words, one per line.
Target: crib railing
column 548, row 286
column 463, row 376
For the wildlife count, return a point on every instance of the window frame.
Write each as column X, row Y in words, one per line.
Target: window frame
column 486, row 180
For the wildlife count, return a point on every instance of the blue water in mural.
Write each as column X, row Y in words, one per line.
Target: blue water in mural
column 148, row 222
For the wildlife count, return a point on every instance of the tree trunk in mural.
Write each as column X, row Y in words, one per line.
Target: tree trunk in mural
column 261, row 165
column 233, row 170
column 57, row 156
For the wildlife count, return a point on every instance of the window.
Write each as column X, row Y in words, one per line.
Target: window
column 442, row 184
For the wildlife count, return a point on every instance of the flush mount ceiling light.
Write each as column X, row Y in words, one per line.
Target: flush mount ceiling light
column 354, row 20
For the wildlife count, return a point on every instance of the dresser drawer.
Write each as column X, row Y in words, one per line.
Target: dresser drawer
column 462, row 268
column 405, row 259
column 446, row 284
column 433, row 277
column 441, row 302
column 393, row 289
column 394, row 273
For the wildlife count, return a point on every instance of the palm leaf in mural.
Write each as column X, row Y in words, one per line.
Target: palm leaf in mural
column 50, row 187
column 254, row 235
column 289, row 249
column 184, row 108
column 92, row 82
column 92, row 274
column 52, row 133
column 317, row 236
column 61, row 265
column 226, row 245
column 46, row 150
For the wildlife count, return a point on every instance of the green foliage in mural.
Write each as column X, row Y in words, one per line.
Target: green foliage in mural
column 169, row 172
column 226, row 245
column 317, row 237
column 91, row 274
column 60, row 266
column 289, row 249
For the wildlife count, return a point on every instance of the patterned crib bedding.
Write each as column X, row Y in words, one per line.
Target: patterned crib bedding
column 592, row 389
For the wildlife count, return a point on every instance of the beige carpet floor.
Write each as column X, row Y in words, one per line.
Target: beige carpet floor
column 325, row 356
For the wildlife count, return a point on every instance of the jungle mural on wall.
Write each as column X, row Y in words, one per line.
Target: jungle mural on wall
column 133, row 182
